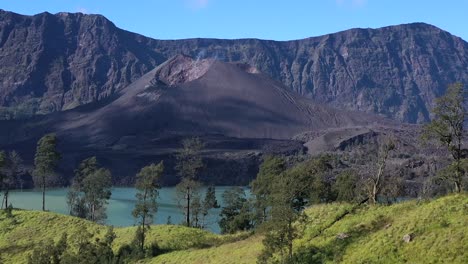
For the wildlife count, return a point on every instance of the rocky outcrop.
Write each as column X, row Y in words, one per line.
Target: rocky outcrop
column 56, row 62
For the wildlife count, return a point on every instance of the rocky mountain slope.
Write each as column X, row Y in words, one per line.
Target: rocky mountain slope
column 56, row 62
column 237, row 111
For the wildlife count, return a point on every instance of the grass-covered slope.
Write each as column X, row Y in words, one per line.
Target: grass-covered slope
column 19, row 235
column 439, row 229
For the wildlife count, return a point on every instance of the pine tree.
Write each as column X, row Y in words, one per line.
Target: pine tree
column 147, row 185
column 189, row 164
column 45, row 163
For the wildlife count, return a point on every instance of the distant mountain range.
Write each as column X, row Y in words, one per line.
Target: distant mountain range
column 51, row 63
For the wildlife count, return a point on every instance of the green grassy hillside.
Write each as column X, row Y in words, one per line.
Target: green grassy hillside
column 374, row 235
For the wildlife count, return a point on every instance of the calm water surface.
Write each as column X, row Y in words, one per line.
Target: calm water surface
column 121, row 204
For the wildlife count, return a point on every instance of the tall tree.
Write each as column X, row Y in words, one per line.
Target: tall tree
column 147, row 185
column 289, row 193
column 75, row 196
column 196, row 211
column 97, row 191
column 2, row 170
column 11, row 174
column 447, row 127
column 209, row 203
column 375, row 182
column 45, row 163
column 188, row 192
column 270, row 169
column 236, row 213
column 287, row 202
column 189, row 164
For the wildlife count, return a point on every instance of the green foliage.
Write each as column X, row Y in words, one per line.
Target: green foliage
column 287, row 200
column 47, row 157
column 28, row 229
column 86, row 167
column 97, row 191
column 90, row 191
column 45, row 162
column 75, row 196
column 189, row 161
column 209, row 203
column 301, row 185
column 196, row 210
column 345, row 187
column 49, row 252
column 236, row 215
column 269, row 170
column 310, row 177
column 447, row 128
column 189, row 164
column 77, row 249
column 9, row 175
column 147, row 185
column 23, row 110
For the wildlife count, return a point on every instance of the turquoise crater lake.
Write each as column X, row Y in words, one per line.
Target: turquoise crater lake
column 121, row 204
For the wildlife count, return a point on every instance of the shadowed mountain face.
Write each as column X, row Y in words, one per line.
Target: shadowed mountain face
column 56, row 62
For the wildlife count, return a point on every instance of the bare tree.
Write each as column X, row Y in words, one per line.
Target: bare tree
column 374, row 183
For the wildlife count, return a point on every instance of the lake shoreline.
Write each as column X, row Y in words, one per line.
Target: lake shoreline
column 120, row 205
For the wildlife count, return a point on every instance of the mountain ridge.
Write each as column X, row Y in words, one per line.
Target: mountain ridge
column 396, row 71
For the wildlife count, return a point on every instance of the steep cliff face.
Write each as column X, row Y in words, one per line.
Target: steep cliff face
column 396, row 71
column 56, row 62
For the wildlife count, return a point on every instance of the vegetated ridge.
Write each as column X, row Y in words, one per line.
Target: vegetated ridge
column 373, row 235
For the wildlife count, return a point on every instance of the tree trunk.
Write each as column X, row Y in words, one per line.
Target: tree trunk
column 458, row 173
column 143, row 223
column 376, row 183
column 93, row 208
column 6, row 199
column 143, row 233
column 290, row 240
column 187, row 219
column 374, row 194
column 458, row 187
column 43, row 196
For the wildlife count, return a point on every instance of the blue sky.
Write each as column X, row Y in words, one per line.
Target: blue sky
column 265, row 19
